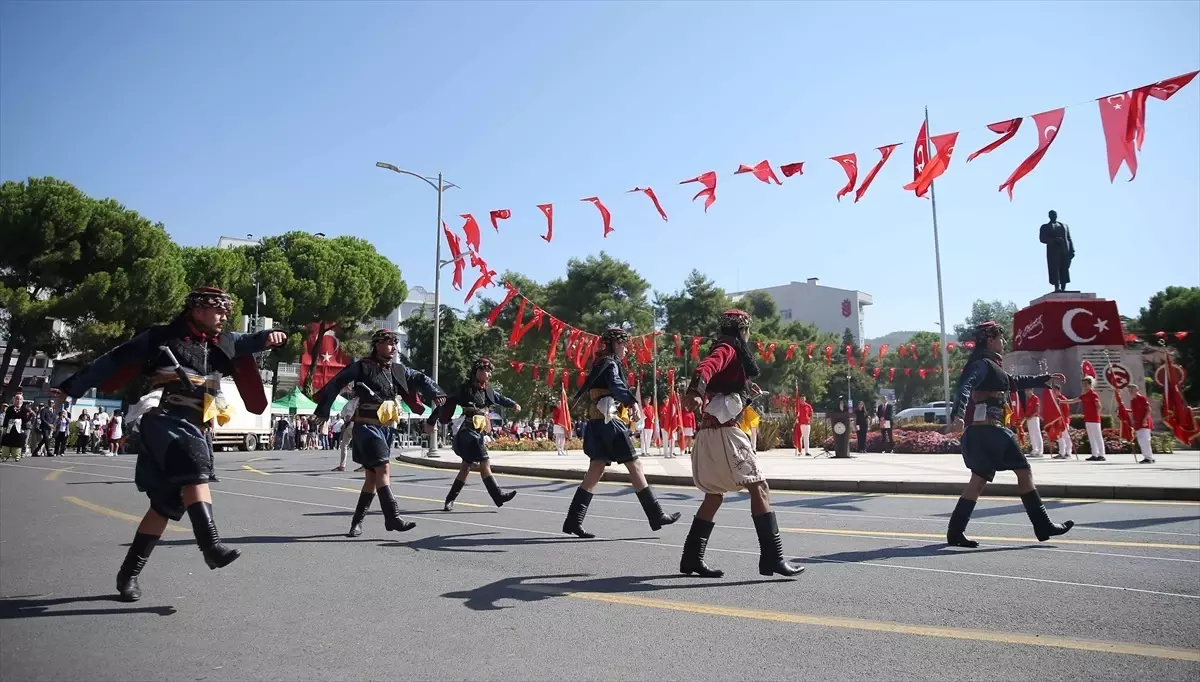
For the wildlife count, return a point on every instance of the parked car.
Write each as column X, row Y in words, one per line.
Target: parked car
column 929, row 413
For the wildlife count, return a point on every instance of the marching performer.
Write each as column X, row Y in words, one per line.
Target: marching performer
column 988, row 445
column 1033, row 423
column 1143, row 423
column 606, row 437
column 723, row 459
column 185, row 360
column 475, row 396
column 378, row 380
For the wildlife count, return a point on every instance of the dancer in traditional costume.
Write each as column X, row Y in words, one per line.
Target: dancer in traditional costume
column 606, row 438
column 981, row 406
column 378, row 380
column 475, row 396
column 185, row 360
column 723, row 459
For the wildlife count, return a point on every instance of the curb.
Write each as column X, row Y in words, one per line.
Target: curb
column 1101, row 492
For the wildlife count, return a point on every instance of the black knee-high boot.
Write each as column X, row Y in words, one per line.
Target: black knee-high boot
column 216, row 554
column 770, row 547
column 958, row 524
column 360, row 513
column 575, row 515
column 391, row 512
column 135, row 561
column 498, row 496
column 654, row 512
column 1043, row 527
column 693, row 550
column 455, row 488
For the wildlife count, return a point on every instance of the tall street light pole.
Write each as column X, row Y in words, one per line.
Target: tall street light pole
column 440, row 186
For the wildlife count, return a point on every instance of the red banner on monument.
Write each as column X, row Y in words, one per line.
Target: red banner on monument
column 1060, row 324
column 330, row 357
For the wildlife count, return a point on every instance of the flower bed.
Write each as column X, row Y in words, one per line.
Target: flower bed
column 531, row 445
column 924, row 442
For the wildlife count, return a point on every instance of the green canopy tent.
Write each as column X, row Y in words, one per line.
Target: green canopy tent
column 338, row 403
column 294, row 403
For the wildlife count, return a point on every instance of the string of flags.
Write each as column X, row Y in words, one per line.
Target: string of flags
column 1123, row 118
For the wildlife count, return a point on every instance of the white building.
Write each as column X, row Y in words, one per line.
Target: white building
column 830, row 309
column 236, row 242
column 418, row 302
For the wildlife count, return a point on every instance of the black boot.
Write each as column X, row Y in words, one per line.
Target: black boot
column 693, row 550
column 391, row 512
column 654, row 512
column 498, row 496
column 1043, row 527
column 575, row 515
column 135, row 561
column 770, row 548
column 216, row 554
column 360, row 513
column 455, row 489
column 958, row 524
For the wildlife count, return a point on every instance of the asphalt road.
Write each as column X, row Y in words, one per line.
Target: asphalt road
column 500, row 594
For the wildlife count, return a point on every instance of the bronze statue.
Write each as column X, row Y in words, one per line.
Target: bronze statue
column 1060, row 251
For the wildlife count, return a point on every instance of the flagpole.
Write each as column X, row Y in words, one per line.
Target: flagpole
column 937, row 257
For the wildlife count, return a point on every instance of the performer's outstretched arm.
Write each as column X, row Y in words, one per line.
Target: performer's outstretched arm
column 128, row 355
column 249, row 344
column 504, row 401
column 420, row 382
column 1021, row 382
column 334, row 387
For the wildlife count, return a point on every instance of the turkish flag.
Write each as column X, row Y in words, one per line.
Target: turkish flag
column 604, row 214
column 492, row 316
column 761, row 170
column 1114, row 117
column 790, row 169
column 1048, row 123
column 1054, row 420
column 328, row 352
column 849, row 163
column 1162, row 90
column 471, row 229
column 943, row 145
column 456, row 254
column 1124, row 417
column 709, row 180
column 1176, row 412
column 885, row 152
column 1057, row 325
column 499, row 214
column 1006, row 129
column 548, row 209
column 919, row 160
column 650, row 193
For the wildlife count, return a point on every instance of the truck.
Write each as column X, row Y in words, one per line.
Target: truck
column 245, row 430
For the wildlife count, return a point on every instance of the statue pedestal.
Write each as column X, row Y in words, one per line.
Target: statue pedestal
column 1064, row 329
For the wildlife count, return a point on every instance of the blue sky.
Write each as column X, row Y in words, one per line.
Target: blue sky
column 235, row 118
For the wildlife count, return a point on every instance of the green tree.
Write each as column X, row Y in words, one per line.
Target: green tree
column 342, row 282
column 983, row 311
column 599, row 292
column 695, row 309
column 100, row 268
column 1172, row 310
column 228, row 269
column 912, row 390
column 461, row 342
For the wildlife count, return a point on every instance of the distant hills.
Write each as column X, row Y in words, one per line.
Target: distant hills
column 893, row 339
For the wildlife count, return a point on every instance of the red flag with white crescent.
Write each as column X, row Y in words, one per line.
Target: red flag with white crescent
column 761, row 170
column 548, row 210
column 709, row 180
column 943, row 146
column 790, row 169
column 1048, row 123
column 471, row 229
column 849, row 163
column 499, row 214
column 604, row 214
column 885, row 152
column 455, row 247
column 648, row 191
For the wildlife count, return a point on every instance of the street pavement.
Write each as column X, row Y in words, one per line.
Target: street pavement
column 1172, row 476
column 500, row 594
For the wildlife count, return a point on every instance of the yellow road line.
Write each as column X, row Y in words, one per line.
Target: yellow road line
column 53, row 475
column 114, row 513
column 989, row 538
column 247, row 467
column 418, row 499
column 1125, row 648
column 815, row 493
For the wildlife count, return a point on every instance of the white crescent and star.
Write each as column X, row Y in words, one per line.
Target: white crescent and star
column 1117, row 104
column 1050, row 132
column 327, row 357
column 1068, row 325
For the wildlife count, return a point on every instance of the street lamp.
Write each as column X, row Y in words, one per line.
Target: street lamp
column 440, row 186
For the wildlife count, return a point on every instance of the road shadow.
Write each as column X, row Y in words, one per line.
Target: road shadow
column 1013, row 509
column 100, row 482
column 907, row 552
column 548, row 487
column 273, row 539
column 525, row 589
column 1127, row 524
column 36, row 607
column 848, row 502
column 415, row 512
column 475, row 543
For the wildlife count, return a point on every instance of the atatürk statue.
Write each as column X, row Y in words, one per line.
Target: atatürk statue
column 1060, row 251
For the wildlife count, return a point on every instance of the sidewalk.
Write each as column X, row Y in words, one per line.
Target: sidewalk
column 1173, row 477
